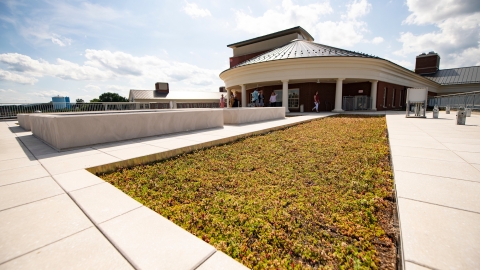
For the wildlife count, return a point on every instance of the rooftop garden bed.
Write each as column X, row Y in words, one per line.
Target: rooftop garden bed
column 316, row 195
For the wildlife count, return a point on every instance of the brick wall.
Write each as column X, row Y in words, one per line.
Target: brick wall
column 427, row 64
column 239, row 59
column 400, row 93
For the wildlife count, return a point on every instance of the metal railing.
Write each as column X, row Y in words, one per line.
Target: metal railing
column 10, row 110
column 466, row 100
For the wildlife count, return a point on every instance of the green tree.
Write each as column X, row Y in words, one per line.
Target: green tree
column 79, row 100
column 109, row 97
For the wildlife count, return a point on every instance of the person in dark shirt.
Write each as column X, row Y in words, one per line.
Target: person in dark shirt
column 316, row 101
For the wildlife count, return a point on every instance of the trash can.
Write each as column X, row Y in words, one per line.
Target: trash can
column 435, row 111
column 461, row 116
column 447, row 109
column 301, row 108
column 468, row 112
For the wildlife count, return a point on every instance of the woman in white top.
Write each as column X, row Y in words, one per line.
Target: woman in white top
column 273, row 100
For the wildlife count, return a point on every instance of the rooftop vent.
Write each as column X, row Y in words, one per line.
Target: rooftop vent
column 161, row 87
column 427, row 63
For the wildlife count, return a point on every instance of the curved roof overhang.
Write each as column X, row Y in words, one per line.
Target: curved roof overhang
column 325, row 68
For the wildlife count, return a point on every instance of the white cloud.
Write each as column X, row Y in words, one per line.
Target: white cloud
column 346, row 32
column 403, row 63
column 60, row 41
column 357, row 9
column 435, row 11
column 61, row 21
column 18, row 78
column 457, row 39
column 350, row 30
column 194, row 11
column 92, row 88
column 7, row 91
column 341, row 34
column 282, row 17
column 49, row 93
column 377, row 40
column 104, row 65
column 116, row 88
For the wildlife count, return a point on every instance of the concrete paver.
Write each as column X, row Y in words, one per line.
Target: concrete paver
column 72, row 164
column 103, row 202
column 86, row 249
column 437, row 190
column 170, row 247
column 469, row 157
column 439, row 237
column 17, row 163
column 221, row 261
column 21, row 174
column 31, row 226
column 425, row 153
column 74, row 180
column 459, row 170
column 463, row 147
column 138, row 151
column 27, row 192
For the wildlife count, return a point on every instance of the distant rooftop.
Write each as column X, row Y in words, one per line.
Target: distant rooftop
column 451, row 76
column 293, row 30
column 173, row 95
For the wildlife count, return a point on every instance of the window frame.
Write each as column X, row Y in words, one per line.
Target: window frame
column 385, row 90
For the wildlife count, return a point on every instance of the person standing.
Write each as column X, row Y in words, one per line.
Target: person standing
column 261, row 98
column 316, row 101
column 255, row 97
column 222, row 102
column 273, row 99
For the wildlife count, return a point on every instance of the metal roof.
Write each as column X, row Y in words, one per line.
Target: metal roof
column 462, row 75
column 300, row 49
column 174, row 95
column 297, row 29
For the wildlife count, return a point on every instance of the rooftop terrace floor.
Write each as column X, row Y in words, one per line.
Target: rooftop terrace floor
column 55, row 214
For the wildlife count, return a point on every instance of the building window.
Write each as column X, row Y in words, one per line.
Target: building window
column 293, row 98
column 400, row 99
column 393, row 98
column 384, row 97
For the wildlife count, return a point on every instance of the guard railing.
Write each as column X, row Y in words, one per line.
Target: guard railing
column 455, row 101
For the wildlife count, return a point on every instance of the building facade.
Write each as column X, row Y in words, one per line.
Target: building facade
column 292, row 65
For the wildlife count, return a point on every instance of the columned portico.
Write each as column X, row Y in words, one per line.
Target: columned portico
column 285, row 95
column 244, row 95
column 229, row 93
column 338, row 95
column 373, row 95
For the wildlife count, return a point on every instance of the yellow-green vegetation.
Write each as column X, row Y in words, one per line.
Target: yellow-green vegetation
column 316, row 195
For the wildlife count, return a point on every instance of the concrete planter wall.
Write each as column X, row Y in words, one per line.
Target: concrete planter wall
column 235, row 116
column 64, row 131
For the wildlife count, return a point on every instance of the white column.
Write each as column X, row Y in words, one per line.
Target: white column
column 229, row 92
column 373, row 95
column 285, row 95
column 338, row 96
column 244, row 95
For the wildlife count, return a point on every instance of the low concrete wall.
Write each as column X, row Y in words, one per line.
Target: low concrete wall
column 235, row 116
column 69, row 130
column 24, row 121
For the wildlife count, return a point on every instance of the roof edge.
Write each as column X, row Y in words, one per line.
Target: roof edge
column 296, row 29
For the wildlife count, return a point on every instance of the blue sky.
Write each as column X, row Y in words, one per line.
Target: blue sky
column 82, row 49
